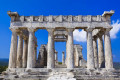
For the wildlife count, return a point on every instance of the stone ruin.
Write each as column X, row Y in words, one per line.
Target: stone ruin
column 79, row 61
column 24, row 64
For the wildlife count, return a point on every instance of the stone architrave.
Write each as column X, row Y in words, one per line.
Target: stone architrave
column 70, row 55
column 95, row 52
column 108, row 50
column 25, row 52
column 20, row 51
column 13, row 49
column 101, row 52
column 50, row 55
column 31, row 51
column 90, row 53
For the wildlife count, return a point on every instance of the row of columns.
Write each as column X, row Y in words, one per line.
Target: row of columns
column 101, row 60
column 22, row 57
column 91, row 50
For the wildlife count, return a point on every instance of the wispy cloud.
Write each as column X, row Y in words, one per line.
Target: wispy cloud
column 80, row 36
column 115, row 30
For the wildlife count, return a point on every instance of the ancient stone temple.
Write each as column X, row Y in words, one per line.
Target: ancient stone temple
column 25, row 65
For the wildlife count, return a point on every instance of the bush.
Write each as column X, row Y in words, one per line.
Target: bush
column 59, row 62
column 3, row 68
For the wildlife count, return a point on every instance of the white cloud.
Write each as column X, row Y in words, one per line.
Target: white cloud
column 115, row 30
column 79, row 36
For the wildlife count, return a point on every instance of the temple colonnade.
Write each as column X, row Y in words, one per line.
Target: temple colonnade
column 24, row 55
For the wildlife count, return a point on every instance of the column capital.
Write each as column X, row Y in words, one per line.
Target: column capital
column 50, row 30
column 31, row 29
column 14, row 29
column 107, row 30
column 20, row 34
column 89, row 29
column 70, row 29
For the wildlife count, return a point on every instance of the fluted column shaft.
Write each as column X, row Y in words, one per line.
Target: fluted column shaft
column 56, row 56
column 95, row 52
column 70, row 55
column 50, row 55
column 25, row 52
column 108, row 51
column 35, row 53
column 31, row 52
column 63, row 58
column 101, row 52
column 90, row 53
column 19, row 51
column 66, row 53
column 13, row 50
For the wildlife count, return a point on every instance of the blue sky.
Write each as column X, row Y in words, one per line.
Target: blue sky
column 58, row 7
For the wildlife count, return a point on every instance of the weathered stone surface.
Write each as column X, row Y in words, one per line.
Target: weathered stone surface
column 101, row 52
column 20, row 52
column 95, row 52
column 70, row 55
column 78, row 57
column 56, row 56
column 50, row 55
column 61, row 21
column 90, row 53
column 13, row 50
column 63, row 58
column 31, row 54
column 108, row 51
column 25, row 51
column 42, row 57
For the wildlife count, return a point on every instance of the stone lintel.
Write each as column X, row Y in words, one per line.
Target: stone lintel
column 46, row 25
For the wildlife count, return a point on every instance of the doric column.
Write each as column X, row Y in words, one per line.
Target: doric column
column 25, row 52
column 70, row 55
column 63, row 58
column 101, row 52
column 31, row 52
column 108, row 51
column 90, row 53
column 13, row 50
column 35, row 50
column 95, row 52
column 19, row 51
column 66, row 53
column 35, row 53
column 56, row 56
column 50, row 55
